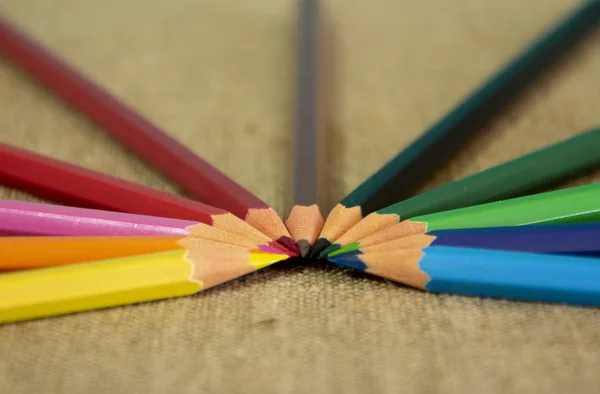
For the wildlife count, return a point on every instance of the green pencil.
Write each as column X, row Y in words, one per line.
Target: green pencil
column 571, row 205
column 531, row 173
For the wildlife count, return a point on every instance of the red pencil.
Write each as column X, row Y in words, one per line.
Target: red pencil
column 72, row 185
column 178, row 163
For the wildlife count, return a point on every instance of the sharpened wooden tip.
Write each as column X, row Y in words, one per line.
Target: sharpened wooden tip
column 417, row 241
column 398, row 265
column 403, row 229
column 305, row 224
column 304, row 247
column 371, row 224
column 235, row 225
column 214, row 269
column 320, row 246
column 340, row 220
column 268, row 222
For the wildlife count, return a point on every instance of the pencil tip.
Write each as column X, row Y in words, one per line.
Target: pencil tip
column 352, row 248
column 349, row 261
column 320, row 245
column 289, row 244
column 304, row 247
column 330, row 249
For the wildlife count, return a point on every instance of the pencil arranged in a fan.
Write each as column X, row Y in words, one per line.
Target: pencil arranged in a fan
column 20, row 253
column 573, row 238
column 533, row 172
column 174, row 160
column 488, row 273
column 106, row 283
column 400, row 177
column 27, row 218
column 571, row 205
column 73, row 185
column 305, row 220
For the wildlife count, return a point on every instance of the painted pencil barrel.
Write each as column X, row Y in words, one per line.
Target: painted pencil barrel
column 21, row 253
column 55, row 291
column 576, row 238
column 572, row 205
column 535, row 171
column 512, row 275
column 27, row 218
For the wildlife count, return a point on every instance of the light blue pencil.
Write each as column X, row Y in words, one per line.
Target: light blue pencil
column 487, row 273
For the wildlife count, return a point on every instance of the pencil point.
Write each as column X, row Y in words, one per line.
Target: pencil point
column 351, row 261
column 289, row 244
column 353, row 247
column 304, row 247
column 305, row 224
column 340, row 220
column 330, row 249
column 320, row 245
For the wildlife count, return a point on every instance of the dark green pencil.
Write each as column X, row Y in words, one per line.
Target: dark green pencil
column 528, row 174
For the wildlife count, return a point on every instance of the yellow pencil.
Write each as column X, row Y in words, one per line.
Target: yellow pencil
column 106, row 283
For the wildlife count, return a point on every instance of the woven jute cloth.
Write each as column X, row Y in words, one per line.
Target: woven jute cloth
column 218, row 75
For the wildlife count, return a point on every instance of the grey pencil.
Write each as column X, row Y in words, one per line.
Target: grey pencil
column 305, row 219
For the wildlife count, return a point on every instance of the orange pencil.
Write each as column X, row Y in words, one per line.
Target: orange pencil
column 21, row 253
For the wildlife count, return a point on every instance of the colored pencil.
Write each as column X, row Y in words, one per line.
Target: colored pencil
column 26, row 218
column 489, row 273
column 398, row 178
column 19, row 253
column 73, row 185
column 540, row 169
column 152, row 144
column 305, row 220
column 574, row 238
column 106, row 283
column 572, row 205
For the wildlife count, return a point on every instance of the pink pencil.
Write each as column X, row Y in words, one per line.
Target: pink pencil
column 27, row 218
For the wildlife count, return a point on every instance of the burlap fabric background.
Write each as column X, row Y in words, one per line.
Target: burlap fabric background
column 217, row 75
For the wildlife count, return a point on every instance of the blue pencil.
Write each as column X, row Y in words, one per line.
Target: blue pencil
column 488, row 273
column 573, row 238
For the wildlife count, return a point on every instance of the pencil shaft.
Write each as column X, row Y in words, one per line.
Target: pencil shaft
column 27, row 218
column 513, row 275
column 19, row 253
column 306, row 127
column 576, row 204
column 579, row 238
column 524, row 175
column 54, row 291
column 398, row 178
column 77, row 186
column 173, row 159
